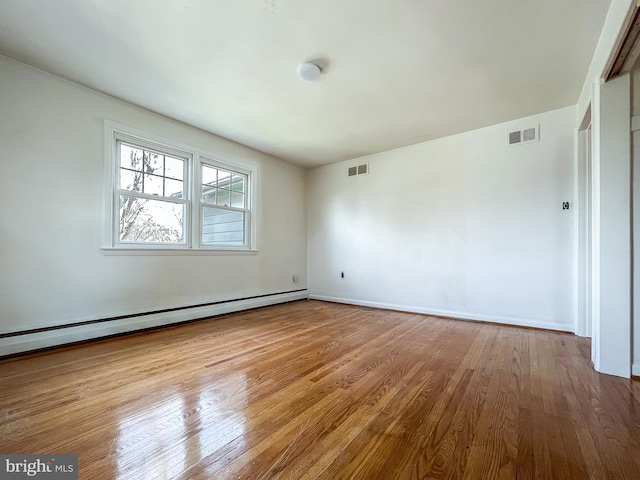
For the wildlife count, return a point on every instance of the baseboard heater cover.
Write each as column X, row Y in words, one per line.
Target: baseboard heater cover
column 12, row 343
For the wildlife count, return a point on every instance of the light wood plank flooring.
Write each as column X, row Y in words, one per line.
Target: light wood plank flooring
column 324, row 391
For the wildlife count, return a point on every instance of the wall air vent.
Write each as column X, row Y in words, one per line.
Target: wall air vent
column 527, row 135
column 358, row 170
column 515, row 137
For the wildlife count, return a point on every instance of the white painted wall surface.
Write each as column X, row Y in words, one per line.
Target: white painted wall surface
column 584, row 307
column 635, row 346
column 608, row 353
column 51, row 195
column 461, row 226
column 635, row 149
column 612, row 227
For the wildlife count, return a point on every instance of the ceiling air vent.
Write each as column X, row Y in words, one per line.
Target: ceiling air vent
column 358, row 170
column 528, row 135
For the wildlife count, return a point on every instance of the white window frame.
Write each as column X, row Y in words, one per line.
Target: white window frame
column 212, row 162
column 193, row 210
column 186, row 201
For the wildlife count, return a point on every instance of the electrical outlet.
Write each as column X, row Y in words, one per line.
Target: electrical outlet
column 565, row 205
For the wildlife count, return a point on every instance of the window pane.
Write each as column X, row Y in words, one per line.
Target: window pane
column 152, row 185
column 130, row 180
column 221, row 226
column 237, row 200
column 131, row 157
column 223, row 197
column 154, row 163
column 209, row 176
column 151, row 221
column 209, row 195
column 174, row 168
column 224, row 179
column 173, row 188
column 237, row 183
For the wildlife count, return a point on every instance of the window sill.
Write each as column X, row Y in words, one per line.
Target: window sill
column 142, row 251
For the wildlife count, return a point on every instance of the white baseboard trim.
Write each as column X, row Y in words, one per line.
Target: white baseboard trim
column 521, row 322
column 635, row 370
column 35, row 341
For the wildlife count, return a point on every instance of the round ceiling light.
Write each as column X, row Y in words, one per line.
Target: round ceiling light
column 309, row 72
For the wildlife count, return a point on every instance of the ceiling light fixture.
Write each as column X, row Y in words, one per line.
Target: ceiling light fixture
column 309, row 72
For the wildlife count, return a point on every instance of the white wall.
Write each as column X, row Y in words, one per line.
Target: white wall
column 612, row 232
column 461, row 226
column 610, row 136
column 584, row 238
column 635, row 147
column 51, row 195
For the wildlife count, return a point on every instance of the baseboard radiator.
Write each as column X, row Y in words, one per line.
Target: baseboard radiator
column 21, row 341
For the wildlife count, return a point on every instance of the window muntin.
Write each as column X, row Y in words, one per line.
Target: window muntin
column 146, row 171
column 166, row 197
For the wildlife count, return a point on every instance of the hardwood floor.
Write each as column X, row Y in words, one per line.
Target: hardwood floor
column 324, row 391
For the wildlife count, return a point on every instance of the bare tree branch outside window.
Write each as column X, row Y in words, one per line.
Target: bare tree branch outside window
column 144, row 220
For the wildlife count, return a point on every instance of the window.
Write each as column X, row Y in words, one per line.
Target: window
column 224, row 206
column 151, row 196
column 169, row 197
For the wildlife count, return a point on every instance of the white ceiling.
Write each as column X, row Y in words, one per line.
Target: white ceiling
column 395, row 72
